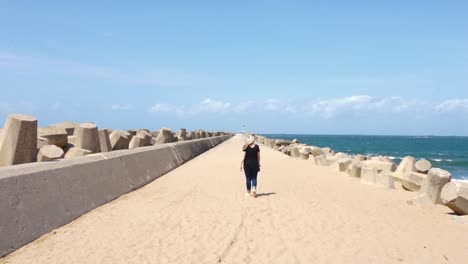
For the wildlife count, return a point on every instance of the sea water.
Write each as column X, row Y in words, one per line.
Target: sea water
column 448, row 153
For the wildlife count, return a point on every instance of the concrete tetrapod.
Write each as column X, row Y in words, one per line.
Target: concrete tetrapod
column 413, row 181
column 18, row 141
column 189, row 135
column 164, row 136
column 281, row 142
column 119, row 139
column 142, row 139
column 321, row 161
column 368, row 174
column 423, row 166
column 198, row 134
column 380, row 165
column 68, row 126
column 55, row 135
column 136, row 142
column 104, row 140
column 182, row 134
column 155, row 133
column 455, row 196
column 76, row 152
column 295, row 152
column 344, row 163
column 354, row 170
column 317, row 151
column 406, row 166
column 304, row 154
column 385, row 179
column 41, row 142
column 132, row 132
column 146, row 136
column 432, row 186
column 202, row 133
column 87, row 137
column 360, row 157
column 50, row 152
column 72, row 140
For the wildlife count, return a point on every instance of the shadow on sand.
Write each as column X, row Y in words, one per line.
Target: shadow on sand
column 265, row 194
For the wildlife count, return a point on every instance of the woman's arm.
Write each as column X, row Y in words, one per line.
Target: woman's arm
column 258, row 157
column 242, row 161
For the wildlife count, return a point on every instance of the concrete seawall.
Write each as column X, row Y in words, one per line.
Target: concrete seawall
column 39, row 197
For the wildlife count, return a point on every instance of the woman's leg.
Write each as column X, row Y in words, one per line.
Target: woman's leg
column 248, row 179
column 254, row 179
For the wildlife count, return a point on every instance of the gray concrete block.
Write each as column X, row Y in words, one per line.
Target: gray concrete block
column 355, row 170
column 368, row 175
column 455, row 196
column 104, row 140
column 119, row 139
column 433, row 184
column 385, row 179
column 87, row 137
column 55, row 135
column 50, row 152
column 413, row 181
column 18, row 141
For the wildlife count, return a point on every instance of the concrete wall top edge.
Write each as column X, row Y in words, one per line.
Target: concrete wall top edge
column 21, row 169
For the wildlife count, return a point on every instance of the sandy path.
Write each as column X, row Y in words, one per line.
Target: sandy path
column 305, row 214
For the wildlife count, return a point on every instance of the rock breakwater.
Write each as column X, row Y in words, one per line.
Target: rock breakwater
column 432, row 185
column 22, row 141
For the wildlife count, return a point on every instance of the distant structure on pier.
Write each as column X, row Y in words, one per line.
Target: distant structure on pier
column 243, row 129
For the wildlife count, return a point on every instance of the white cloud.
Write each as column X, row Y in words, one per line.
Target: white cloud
column 121, row 107
column 243, row 106
column 273, row 104
column 329, row 108
column 290, row 109
column 453, row 105
column 206, row 106
column 350, row 106
column 163, row 108
column 213, row 106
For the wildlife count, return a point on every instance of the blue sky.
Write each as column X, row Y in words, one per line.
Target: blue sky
column 321, row 67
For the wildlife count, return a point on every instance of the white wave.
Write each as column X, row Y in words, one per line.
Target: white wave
column 464, row 179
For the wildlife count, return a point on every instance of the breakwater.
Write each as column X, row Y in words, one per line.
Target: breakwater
column 37, row 197
column 445, row 152
column 432, row 185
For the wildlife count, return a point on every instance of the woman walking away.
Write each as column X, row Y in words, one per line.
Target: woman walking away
column 251, row 164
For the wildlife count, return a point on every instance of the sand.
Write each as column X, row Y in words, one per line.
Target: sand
column 198, row 213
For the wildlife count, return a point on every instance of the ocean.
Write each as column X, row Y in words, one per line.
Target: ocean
column 448, row 153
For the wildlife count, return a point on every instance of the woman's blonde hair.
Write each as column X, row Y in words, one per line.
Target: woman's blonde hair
column 249, row 140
